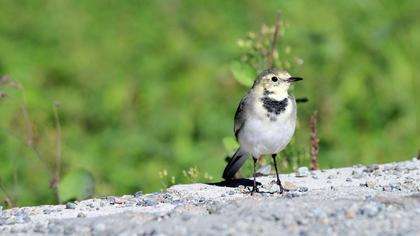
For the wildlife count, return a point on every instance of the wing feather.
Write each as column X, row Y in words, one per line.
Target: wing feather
column 240, row 116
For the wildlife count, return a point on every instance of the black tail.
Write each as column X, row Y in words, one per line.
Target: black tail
column 235, row 164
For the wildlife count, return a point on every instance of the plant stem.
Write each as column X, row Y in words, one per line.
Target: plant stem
column 29, row 129
column 56, row 178
column 274, row 41
column 8, row 199
column 314, row 141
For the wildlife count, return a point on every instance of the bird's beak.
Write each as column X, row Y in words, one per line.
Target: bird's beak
column 293, row 79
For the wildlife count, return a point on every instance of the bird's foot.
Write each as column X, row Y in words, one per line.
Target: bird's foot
column 254, row 190
column 281, row 188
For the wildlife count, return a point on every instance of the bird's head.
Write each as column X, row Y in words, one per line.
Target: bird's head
column 274, row 81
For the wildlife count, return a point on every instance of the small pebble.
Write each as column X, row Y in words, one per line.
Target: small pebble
column 408, row 180
column 186, row 217
column 303, row 189
column 398, row 168
column 371, row 168
column 363, row 184
column 70, row 205
column 145, row 202
column 292, row 194
column 371, row 183
column 387, row 167
column 395, row 186
column 111, row 199
column 119, row 200
column 377, row 173
column 22, row 217
column 266, row 194
column 47, row 211
column 356, row 174
column 302, row 172
column 411, row 166
column 81, row 215
column 138, row 193
column 369, row 197
column 264, row 170
column 289, row 186
column 201, row 199
column 372, row 209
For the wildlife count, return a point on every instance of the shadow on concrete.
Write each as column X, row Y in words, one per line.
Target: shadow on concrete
column 235, row 183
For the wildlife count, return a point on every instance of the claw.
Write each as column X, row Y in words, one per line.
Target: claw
column 254, row 190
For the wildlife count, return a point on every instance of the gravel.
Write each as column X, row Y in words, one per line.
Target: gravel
column 371, row 168
column 359, row 200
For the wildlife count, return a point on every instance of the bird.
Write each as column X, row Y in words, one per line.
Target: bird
column 264, row 122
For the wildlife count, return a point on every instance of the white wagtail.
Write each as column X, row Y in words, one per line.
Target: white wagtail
column 265, row 121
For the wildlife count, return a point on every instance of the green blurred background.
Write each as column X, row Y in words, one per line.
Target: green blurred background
column 145, row 86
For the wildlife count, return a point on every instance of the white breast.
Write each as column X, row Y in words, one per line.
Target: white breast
column 261, row 136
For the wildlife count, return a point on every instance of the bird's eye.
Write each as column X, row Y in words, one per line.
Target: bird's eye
column 274, row 79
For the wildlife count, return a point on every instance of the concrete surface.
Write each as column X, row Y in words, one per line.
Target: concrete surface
column 359, row 200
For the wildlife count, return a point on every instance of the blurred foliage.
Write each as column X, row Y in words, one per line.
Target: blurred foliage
column 78, row 184
column 145, row 86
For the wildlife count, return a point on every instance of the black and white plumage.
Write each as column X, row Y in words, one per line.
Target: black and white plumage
column 265, row 120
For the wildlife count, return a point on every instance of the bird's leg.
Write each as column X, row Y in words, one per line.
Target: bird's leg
column 254, row 188
column 277, row 173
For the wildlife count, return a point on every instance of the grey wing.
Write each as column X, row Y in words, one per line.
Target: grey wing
column 240, row 116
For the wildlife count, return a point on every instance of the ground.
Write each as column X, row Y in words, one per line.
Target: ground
column 359, row 200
